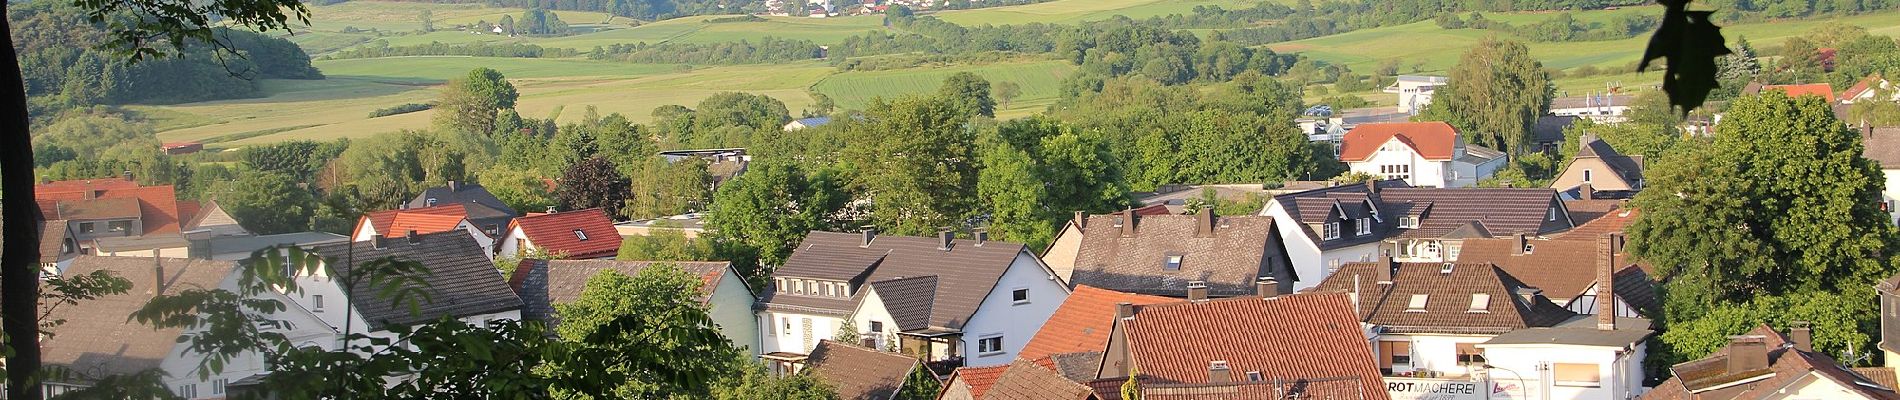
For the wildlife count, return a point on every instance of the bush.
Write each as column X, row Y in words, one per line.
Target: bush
column 401, row 109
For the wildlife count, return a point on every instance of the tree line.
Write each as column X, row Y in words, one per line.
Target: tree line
column 381, row 48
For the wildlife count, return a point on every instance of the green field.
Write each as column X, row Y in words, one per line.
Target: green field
column 339, row 106
column 1039, row 80
column 1075, row 11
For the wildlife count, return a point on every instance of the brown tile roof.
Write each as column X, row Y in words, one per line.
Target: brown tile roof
column 1627, row 167
column 543, row 283
column 1591, row 218
column 1229, row 259
column 460, row 279
column 859, row 373
column 1286, row 339
column 1025, row 380
column 1550, row 128
column 53, row 240
column 1447, row 297
column 83, row 185
column 965, row 273
column 1563, row 269
column 1826, row 91
column 117, row 208
column 1882, row 145
column 556, row 233
column 979, row 379
column 98, row 338
column 1082, row 323
column 1709, row 379
column 1432, row 140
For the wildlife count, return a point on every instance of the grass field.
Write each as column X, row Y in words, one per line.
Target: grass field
column 1075, row 11
column 1039, row 81
column 339, row 106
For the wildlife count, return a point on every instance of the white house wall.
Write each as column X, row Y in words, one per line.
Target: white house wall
column 1063, row 251
column 1813, row 386
column 1438, row 353
column 302, row 329
column 1891, row 194
column 1308, row 260
column 797, row 339
column 487, row 243
column 1015, row 323
column 871, row 309
column 507, row 247
column 1424, row 172
column 732, row 311
column 1620, row 372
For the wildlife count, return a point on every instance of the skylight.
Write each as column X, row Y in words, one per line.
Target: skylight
column 580, row 235
column 1480, row 303
column 1417, row 304
column 1172, row 263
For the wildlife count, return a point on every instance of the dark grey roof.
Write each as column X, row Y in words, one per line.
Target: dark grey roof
column 1503, row 211
column 1628, row 167
column 1579, row 331
column 460, row 280
column 544, row 283
column 142, row 243
column 248, row 244
column 484, row 210
column 1238, row 251
column 908, row 300
column 1550, row 128
column 965, row 273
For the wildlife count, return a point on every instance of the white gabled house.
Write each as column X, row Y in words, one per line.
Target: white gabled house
column 1423, row 154
column 728, row 299
column 959, row 301
column 575, row 235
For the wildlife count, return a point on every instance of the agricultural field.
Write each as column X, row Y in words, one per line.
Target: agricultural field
column 1076, row 11
column 1039, row 80
column 340, row 106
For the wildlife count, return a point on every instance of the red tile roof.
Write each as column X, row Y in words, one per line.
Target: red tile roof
column 1865, row 84
column 1824, row 90
column 1082, row 323
column 188, row 210
column 1157, row 209
column 158, row 205
column 556, row 233
column 82, row 185
column 979, row 379
column 1614, row 221
column 396, row 223
column 1432, row 140
column 1024, row 380
column 1290, row 338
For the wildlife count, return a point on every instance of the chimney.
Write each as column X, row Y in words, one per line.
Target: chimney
column 454, row 186
column 414, row 239
column 870, row 232
column 1747, row 353
column 944, row 238
column 127, row 174
column 982, row 235
column 1267, row 287
column 1529, row 294
column 551, row 210
column 1124, row 310
column 1385, row 267
column 1802, row 335
column 1128, row 222
column 1606, row 281
column 158, row 274
column 377, row 242
column 1586, row 192
column 1218, row 372
column 1081, row 219
column 1197, row 291
column 1518, row 239
column 1204, row 223
column 1372, row 185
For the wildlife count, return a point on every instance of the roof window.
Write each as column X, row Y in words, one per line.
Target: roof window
column 1172, row 263
column 1417, row 304
column 578, row 234
column 1480, row 303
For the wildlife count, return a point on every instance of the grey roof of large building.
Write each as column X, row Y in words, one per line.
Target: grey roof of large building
column 544, row 283
column 1580, row 330
column 966, row 272
column 460, row 281
column 98, row 339
column 1234, row 252
column 484, row 210
column 248, row 244
column 1882, row 145
column 1440, row 211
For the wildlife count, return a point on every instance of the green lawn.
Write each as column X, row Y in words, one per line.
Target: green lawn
column 339, row 106
column 1040, row 81
column 1075, row 11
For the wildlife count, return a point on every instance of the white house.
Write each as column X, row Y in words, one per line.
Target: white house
column 962, row 302
column 575, row 235
column 462, row 284
column 1423, row 154
column 1325, row 228
column 1459, row 322
column 298, row 325
column 1415, row 91
column 544, row 283
column 1883, row 146
column 98, row 341
column 1602, row 108
column 1870, row 88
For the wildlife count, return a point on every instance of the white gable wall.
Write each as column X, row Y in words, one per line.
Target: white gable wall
column 1423, row 172
column 871, row 309
column 302, row 329
column 1000, row 316
column 789, row 333
column 1063, row 251
column 731, row 310
column 1620, row 370
column 482, row 239
column 1312, row 264
column 510, row 243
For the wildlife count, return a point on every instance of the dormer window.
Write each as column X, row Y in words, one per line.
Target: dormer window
column 1446, row 268
column 1417, row 304
column 578, row 234
column 1332, row 230
column 1408, row 222
column 1172, row 262
column 1480, row 303
column 429, row 203
column 831, row 289
column 1254, row 376
column 780, row 283
column 1364, row 226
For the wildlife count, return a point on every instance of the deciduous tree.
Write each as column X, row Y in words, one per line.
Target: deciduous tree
column 468, row 104
column 593, row 183
column 267, row 203
column 1495, row 95
column 757, row 218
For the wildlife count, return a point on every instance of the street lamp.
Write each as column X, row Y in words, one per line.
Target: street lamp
column 1522, row 390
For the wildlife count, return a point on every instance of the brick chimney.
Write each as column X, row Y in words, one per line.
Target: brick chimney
column 1081, row 219
column 158, row 274
column 1385, row 269
column 1372, row 185
column 1802, row 336
column 1219, row 372
column 1520, row 242
column 944, row 238
column 1267, row 287
column 414, row 239
column 1197, row 291
column 1606, row 281
column 1747, row 353
column 1586, row 192
column 1128, row 222
column 869, row 232
column 982, row 235
column 1204, row 223
column 377, row 242
column 1124, row 310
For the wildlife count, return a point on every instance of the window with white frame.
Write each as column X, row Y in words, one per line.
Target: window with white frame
column 831, row 289
column 1019, row 296
column 316, row 303
column 217, row 386
column 1363, row 227
column 1451, row 251
column 1408, row 222
column 1551, row 215
column 989, row 345
column 780, row 284
column 1569, row 374
column 578, row 234
column 788, row 325
column 1332, row 230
